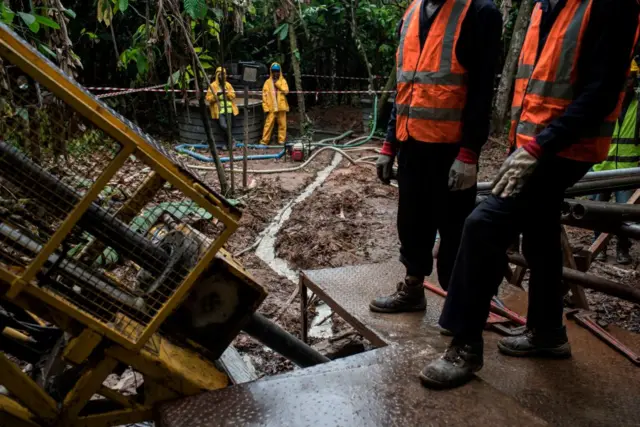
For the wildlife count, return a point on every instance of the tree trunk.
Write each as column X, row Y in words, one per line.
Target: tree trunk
column 356, row 39
column 297, row 74
column 391, row 82
column 503, row 95
column 505, row 9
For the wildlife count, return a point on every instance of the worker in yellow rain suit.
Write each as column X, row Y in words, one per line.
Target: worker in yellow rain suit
column 219, row 107
column 274, row 103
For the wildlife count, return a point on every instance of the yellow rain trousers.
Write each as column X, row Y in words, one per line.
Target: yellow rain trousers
column 275, row 105
column 269, row 123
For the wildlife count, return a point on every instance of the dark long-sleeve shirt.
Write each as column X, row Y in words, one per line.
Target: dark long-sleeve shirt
column 602, row 66
column 478, row 49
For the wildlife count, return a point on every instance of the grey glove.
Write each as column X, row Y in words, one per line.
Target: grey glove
column 462, row 176
column 514, row 173
column 385, row 168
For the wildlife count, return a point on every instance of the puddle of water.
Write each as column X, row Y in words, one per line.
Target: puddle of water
column 324, row 330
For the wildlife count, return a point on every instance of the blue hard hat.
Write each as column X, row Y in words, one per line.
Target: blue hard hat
column 275, row 67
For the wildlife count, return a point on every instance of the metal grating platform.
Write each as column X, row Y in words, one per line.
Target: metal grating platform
column 596, row 387
column 379, row 388
column 348, row 291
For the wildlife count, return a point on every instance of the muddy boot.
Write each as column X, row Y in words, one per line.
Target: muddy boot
column 409, row 297
column 455, row 367
column 553, row 344
column 623, row 257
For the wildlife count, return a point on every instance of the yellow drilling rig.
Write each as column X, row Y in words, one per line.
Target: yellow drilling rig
column 111, row 259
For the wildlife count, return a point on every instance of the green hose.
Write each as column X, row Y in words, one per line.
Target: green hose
column 358, row 141
column 325, row 142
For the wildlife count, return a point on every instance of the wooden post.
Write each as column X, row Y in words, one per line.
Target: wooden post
column 579, row 298
column 246, row 136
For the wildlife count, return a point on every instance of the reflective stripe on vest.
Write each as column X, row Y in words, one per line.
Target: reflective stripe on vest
column 544, row 85
column 624, row 152
column 432, row 90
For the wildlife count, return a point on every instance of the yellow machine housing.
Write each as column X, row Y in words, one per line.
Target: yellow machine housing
column 110, row 258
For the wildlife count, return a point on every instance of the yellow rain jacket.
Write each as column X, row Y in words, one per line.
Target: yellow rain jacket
column 215, row 99
column 274, row 96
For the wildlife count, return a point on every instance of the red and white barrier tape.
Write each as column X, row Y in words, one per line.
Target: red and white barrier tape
column 123, row 91
column 366, row 79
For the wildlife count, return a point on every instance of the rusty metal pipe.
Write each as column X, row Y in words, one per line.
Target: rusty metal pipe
column 599, row 284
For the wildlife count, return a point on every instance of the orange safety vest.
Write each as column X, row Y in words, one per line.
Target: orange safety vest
column 432, row 89
column 545, row 84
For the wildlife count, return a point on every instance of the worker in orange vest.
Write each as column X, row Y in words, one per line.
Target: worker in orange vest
column 446, row 63
column 567, row 95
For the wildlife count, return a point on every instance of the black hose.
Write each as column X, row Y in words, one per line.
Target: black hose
column 282, row 342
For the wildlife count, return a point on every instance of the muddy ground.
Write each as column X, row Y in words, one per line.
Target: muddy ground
column 350, row 220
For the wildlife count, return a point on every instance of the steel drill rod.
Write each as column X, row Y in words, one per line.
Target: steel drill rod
column 589, row 281
column 282, row 342
column 631, row 231
column 616, row 173
column 591, row 210
column 604, row 186
column 593, row 185
column 57, row 196
column 73, row 270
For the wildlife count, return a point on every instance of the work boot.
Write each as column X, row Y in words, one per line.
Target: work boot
column 455, row 367
column 623, row 257
column 408, row 297
column 554, row 344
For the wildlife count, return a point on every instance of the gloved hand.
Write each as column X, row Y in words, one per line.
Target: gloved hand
column 464, row 172
column 385, row 168
column 385, row 162
column 515, row 172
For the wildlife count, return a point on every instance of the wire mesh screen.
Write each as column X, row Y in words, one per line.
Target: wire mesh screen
column 49, row 157
column 130, row 251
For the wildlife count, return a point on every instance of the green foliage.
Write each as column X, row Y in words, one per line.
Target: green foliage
column 196, row 9
column 282, row 31
column 30, row 23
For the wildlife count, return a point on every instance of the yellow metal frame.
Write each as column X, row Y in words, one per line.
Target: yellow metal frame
column 41, row 70
column 169, row 370
column 25, row 389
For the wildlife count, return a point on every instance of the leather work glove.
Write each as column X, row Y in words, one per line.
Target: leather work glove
column 385, row 168
column 515, row 172
column 384, row 165
column 464, row 172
